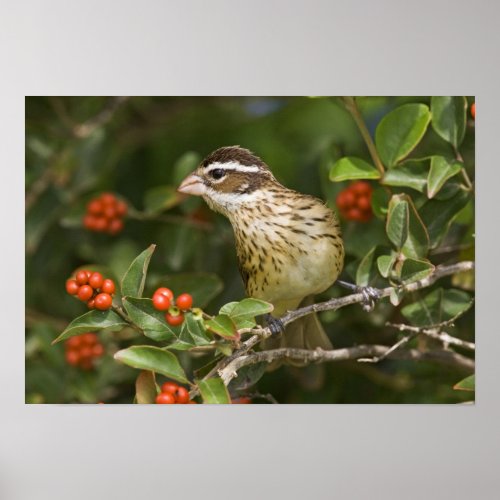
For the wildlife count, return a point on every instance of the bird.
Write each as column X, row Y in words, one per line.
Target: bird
column 288, row 244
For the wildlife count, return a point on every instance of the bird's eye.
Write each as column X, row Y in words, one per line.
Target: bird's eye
column 218, row 173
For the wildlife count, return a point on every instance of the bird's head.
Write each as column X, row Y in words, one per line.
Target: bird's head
column 228, row 178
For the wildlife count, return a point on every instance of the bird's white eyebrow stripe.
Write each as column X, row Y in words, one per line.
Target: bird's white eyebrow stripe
column 232, row 165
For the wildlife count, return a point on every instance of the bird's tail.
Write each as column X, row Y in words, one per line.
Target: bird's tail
column 304, row 333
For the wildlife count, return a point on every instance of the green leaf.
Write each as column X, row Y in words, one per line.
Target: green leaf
column 135, row 277
column 441, row 170
column 437, row 306
column 248, row 376
column 385, row 264
column 437, row 215
column 350, row 167
column 161, row 198
column 145, row 388
column 417, row 244
column 398, row 221
column 154, row 359
column 415, row 270
column 213, row 391
column 449, row 118
column 240, row 322
column 184, row 166
column 366, row 273
column 247, row 309
column 412, row 174
column 90, row 322
column 148, row 319
column 380, row 202
column 193, row 333
column 203, row 287
column 399, row 132
column 224, row 326
column 467, row 384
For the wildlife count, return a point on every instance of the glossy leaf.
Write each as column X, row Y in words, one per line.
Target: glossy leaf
column 350, row 168
column 153, row 359
column 380, row 201
column 441, row 170
column 203, row 287
column 213, row 391
column 248, row 376
column 246, row 309
column 412, row 174
column 145, row 388
column 148, row 319
column 417, row 244
column 135, row 277
column 437, row 306
column 415, row 270
column 193, row 333
column 161, row 198
column 437, row 215
column 385, row 264
column 399, row 132
column 398, row 221
column 467, row 384
column 223, row 326
column 449, row 118
column 90, row 322
column 366, row 273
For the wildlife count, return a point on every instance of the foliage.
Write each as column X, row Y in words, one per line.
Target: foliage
column 423, row 205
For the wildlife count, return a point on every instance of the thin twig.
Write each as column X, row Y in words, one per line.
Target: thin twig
column 351, row 353
column 352, row 107
column 260, row 333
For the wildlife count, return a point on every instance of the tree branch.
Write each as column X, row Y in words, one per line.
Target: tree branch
column 260, row 333
column 351, row 353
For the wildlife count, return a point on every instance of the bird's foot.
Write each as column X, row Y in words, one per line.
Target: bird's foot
column 370, row 294
column 275, row 325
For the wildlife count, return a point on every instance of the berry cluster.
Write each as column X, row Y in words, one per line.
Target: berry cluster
column 355, row 202
column 163, row 300
column 82, row 350
column 92, row 288
column 172, row 393
column 105, row 214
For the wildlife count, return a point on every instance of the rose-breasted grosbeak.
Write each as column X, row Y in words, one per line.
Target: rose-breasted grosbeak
column 289, row 244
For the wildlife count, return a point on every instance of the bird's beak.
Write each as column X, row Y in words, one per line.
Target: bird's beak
column 192, row 184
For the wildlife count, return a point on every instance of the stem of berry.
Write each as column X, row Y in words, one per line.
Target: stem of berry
column 353, row 109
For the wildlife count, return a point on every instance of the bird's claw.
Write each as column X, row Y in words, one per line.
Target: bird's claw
column 370, row 294
column 275, row 325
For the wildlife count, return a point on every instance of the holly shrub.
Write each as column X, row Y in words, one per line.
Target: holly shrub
column 132, row 289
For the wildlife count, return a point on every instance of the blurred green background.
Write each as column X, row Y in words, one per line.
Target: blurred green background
column 141, row 148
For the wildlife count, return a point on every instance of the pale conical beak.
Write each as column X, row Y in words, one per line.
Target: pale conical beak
column 192, row 184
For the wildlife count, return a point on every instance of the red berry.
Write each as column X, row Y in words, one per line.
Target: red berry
column 349, row 198
column 103, row 301
column 96, row 280
column 72, row 357
column 165, row 398
column 169, row 387
column 109, row 212
column 85, row 352
column 182, row 396
column 91, row 304
column 89, row 339
column 115, row 226
column 97, row 350
column 108, row 199
column 88, row 222
column 161, row 302
column 473, row 110
column 165, row 291
column 174, row 319
column 72, row 287
column 121, row 208
column 184, row 301
column 81, row 277
column 100, row 224
column 361, row 188
column 364, row 203
column 94, row 207
column 353, row 214
column 85, row 293
column 74, row 342
column 244, row 400
column 108, row 286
